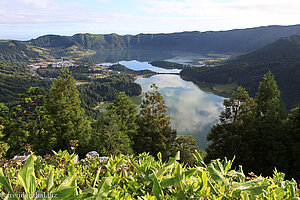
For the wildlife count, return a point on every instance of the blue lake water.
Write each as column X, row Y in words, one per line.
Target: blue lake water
column 193, row 111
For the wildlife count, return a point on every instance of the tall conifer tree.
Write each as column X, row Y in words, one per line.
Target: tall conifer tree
column 154, row 133
column 69, row 121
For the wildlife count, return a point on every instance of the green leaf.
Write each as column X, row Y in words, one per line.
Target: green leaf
column 177, row 156
column 97, row 176
column 217, row 176
column 198, row 159
column 167, row 182
column 50, row 182
column 246, row 185
column 5, row 183
column 104, row 187
column 68, row 186
column 26, row 176
column 157, row 190
column 64, row 193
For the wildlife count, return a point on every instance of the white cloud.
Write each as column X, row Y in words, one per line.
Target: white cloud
column 50, row 11
column 149, row 16
column 219, row 15
column 37, row 3
column 104, row 1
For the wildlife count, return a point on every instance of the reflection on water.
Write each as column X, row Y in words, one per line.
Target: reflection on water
column 192, row 111
column 113, row 56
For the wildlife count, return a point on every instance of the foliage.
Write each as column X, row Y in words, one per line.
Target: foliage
column 126, row 111
column 69, row 121
column 30, row 123
column 3, row 122
column 15, row 79
column 187, row 145
column 108, row 136
column 255, row 131
column 140, row 177
column 154, row 133
column 106, row 89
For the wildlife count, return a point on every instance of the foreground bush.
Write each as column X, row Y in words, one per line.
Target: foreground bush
column 142, row 177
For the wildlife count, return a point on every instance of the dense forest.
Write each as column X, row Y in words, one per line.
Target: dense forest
column 105, row 90
column 15, row 79
column 281, row 58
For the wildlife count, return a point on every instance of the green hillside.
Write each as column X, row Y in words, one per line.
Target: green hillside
column 238, row 41
column 282, row 58
column 15, row 79
column 11, row 50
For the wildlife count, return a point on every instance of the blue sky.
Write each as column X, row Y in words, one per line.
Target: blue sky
column 26, row 19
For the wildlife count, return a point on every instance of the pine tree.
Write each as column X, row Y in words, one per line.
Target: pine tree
column 267, row 97
column 69, row 121
column 108, row 137
column 154, row 133
column 268, row 137
column 252, row 130
column 35, row 120
column 291, row 129
column 227, row 136
column 126, row 111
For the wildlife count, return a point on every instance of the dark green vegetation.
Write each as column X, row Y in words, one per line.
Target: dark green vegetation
column 282, row 58
column 154, row 133
column 55, row 120
column 258, row 132
column 243, row 40
column 15, row 79
column 167, row 65
column 60, row 176
column 123, row 69
column 106, row 89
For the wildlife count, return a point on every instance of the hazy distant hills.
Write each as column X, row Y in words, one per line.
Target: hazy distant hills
column 233, row 41
column 282, row 58
column 237, row 41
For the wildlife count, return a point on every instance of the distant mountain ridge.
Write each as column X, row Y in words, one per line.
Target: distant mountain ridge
column 282, row 58
column 232, row 41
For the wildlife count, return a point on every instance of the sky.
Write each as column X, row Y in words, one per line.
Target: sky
column 27, row 19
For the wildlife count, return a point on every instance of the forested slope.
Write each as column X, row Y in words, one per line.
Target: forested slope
column 282, row 58
column 15, row 79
